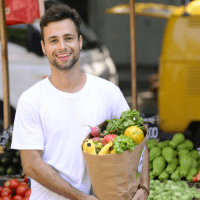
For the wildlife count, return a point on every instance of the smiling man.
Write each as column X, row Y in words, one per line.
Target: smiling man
column 50, row 120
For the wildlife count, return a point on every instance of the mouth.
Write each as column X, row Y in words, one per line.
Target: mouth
column 63, row 56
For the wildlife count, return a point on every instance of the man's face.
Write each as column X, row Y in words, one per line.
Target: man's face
column 61, row 44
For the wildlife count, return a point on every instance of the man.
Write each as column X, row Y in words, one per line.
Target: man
column 49, row 124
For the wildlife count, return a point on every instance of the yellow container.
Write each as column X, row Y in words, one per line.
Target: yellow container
column 179, row 74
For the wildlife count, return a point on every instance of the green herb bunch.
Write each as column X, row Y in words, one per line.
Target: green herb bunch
column 127, row 118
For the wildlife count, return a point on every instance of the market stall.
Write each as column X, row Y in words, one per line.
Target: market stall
column 11, row 173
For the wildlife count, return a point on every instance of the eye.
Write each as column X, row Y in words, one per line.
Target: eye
column 69, row 38
column 53, row 41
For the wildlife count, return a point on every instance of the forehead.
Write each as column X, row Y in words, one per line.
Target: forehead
column 60, row 28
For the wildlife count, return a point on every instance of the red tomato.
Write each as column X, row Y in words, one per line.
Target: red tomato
column 6, row 189
column 28, row 193
column 6, row 183
column 5, row 193
column 14, row 183
column 17, row 197
column 6, row 198
column 25, row 198
column 1, row 189
column 26, row 178
column 21, row 189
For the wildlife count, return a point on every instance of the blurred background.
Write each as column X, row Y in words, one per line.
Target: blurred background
column 107, row 54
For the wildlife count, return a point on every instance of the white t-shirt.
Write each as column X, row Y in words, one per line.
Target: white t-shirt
column 53, row 121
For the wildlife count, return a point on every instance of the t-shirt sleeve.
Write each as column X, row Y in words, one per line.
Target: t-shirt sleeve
column 27, row 129
column 120, row 105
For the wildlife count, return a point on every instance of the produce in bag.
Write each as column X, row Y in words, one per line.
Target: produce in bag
column 116, row 173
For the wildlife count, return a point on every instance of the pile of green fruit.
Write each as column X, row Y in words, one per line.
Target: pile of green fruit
column 10, row 162
column 171, row 190
column 173, row 159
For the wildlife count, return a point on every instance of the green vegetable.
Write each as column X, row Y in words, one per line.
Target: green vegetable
column 175, row 176
column 184, row 184
column 171, row 190
column 181, row 146
column 185, row 165
column 183, row 152
column 126, row 119
column 177, row 139
column 159, row 164
column 2, row 170
column 163, row 176
column 192, row 172
column 169, row 154
column 172, row 166
column 154, row 152
column 151, row 145
column 151, row 176
column 150, row 166
column 11, row 170
column 186, row 197
column 122, row 143
column 194, row 154
column 161, row 145
column 189, row 144
column 198, row 165
column 194, row 163
column 197, row 195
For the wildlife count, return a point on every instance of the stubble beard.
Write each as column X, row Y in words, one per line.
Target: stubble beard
column 66, row 65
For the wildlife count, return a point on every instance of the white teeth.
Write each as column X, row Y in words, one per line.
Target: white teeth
column 63, row 55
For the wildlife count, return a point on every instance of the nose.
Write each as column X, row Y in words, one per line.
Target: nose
column 62, row 45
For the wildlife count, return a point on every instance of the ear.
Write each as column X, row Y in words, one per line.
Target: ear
column 80, row 41
column 43, row 49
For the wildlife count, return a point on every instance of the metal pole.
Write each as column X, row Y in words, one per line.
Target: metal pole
column 4, row 53
column 133, row 55
column 41, row 7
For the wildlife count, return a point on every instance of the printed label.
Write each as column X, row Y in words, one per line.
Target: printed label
column 141, row 161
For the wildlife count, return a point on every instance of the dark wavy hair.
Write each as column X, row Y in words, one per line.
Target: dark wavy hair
column 57, row 13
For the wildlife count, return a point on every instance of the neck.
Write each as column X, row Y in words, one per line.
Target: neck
column 69, row 81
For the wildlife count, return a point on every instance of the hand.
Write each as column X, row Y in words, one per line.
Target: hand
column 141, row 194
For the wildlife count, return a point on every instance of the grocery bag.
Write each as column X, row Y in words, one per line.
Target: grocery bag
column 117, row 176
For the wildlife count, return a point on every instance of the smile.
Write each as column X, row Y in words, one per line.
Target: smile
column 63, row 55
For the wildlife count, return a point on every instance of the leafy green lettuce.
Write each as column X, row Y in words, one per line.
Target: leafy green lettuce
column 122, row 143
column 127, row 118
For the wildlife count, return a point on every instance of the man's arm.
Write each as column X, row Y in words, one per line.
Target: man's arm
column 37, row 169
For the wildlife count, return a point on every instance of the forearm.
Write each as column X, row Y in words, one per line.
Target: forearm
column 49, row 178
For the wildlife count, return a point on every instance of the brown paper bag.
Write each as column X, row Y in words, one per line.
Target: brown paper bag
column 115, row 176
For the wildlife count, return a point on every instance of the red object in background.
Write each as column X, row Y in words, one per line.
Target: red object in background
column 6, row 198
column 14, row 183
column 28, row 193
column 21, row 189
column 21, row 11
column 17, row 197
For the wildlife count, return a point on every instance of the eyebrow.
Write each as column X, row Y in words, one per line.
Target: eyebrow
column 54, row 36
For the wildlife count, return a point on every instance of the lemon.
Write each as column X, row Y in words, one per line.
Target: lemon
column 135, row 133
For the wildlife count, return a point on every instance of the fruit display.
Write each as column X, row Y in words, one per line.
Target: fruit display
column 172, row 190
column 10, row 162
column 173, row 159
column 15, row 190
column 120, row 135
